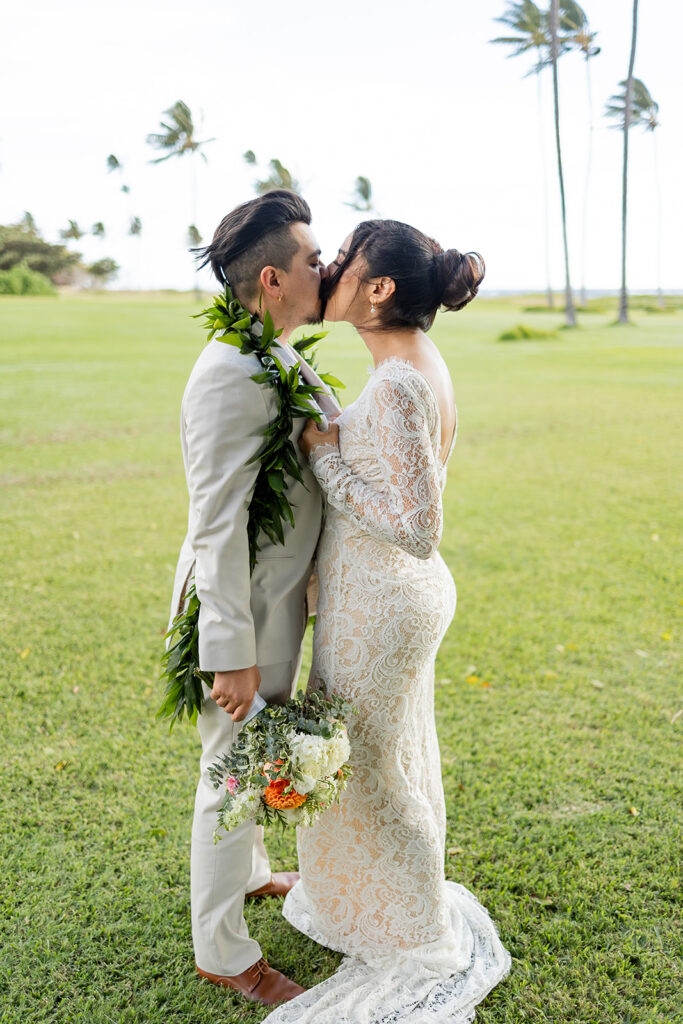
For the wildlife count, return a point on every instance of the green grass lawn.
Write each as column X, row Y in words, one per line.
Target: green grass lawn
column 558, row 697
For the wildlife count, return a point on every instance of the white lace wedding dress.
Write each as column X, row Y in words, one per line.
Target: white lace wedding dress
column 419, row 950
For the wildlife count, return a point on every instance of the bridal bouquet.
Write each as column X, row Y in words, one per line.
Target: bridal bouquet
column 287, row 764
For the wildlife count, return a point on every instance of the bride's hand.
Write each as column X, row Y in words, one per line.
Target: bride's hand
column 311, row 436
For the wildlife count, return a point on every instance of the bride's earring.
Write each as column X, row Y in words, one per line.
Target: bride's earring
column 372, row 308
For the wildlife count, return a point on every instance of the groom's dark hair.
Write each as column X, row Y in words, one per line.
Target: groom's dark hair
column 253, row 236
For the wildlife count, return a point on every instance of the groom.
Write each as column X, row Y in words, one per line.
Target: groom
column 250, row 628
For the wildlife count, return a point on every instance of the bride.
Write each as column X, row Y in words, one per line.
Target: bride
column 418, row 949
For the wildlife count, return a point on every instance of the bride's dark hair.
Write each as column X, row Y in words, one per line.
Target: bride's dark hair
column 426, row 276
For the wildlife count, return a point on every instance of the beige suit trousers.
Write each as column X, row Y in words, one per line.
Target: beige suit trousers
column 221, row 873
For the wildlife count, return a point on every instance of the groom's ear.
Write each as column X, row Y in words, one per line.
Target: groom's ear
column 270, row 282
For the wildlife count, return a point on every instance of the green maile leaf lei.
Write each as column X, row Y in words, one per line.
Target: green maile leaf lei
column 269, row 508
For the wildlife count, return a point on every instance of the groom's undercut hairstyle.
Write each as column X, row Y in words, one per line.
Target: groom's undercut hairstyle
column 255, row 235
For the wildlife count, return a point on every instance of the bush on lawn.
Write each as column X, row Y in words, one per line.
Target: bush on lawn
column 21, row 280
column 523, row 333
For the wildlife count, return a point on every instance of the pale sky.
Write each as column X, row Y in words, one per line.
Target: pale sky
column 411, row 95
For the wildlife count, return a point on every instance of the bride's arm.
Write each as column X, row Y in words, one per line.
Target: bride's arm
column 408, row 512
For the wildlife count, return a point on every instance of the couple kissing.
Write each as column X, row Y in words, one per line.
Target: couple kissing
column 368, row 519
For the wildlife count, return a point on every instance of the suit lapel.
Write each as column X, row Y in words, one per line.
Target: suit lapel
column 325, row 400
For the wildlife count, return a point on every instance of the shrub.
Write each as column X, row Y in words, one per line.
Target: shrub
column 523, row 333
column 103, row 269
column 22, row 243
column 21, row 280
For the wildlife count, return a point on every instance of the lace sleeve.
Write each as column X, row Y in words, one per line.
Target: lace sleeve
column 408, row 510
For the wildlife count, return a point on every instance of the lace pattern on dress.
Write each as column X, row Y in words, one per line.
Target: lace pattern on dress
column 418, row 949
column 407, row 510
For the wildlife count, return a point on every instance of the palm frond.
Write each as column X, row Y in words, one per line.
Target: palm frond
column 572, row 17
column 531, row 25
column 194, row 237
column 73, row 231
column 279, row 177
column 644, row 110
column 177, row 137
column 362, row 195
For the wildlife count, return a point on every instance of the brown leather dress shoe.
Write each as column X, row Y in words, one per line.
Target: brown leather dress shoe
column 279, row 885
column 259, row 983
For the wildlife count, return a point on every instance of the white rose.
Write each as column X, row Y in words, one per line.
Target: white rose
column 293, row 815
column 244, row 807
column 339, row 751
column 304, row 783
column 317, row 757
column 308, row 755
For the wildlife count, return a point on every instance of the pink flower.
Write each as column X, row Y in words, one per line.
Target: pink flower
column 232, row 784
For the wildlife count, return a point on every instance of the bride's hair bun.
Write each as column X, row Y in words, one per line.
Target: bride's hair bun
column 459, row 276
column 425, row 277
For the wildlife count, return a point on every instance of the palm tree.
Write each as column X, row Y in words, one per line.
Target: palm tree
column 194, row 237
column 628, row 111
column 177, row 139
column 570, row 314
column 135, row 231
column 104, row 269
column 648, row 117
column 278, row 176
column 577, row 34
column 114, row 164
column 362, row 196
column 644, row 112
column 530, row 25
column 73, row 231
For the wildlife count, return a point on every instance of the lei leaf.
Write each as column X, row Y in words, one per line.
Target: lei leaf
column 269, row 508
column 180, row 662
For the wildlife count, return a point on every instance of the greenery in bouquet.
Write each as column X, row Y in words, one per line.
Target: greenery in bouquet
column 287, row 764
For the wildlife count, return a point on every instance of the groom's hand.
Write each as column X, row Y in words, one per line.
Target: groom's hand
column 234, row 691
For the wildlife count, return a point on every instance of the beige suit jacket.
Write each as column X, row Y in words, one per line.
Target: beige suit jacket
column 244, row 620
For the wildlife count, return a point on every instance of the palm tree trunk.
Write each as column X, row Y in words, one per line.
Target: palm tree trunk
column 660, row 295
column 197, row 289
column 544, row 168
column 586, row 188
column 623, row 297
column 569, row 298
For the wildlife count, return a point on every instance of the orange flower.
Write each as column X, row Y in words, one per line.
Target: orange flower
column 275, row 797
